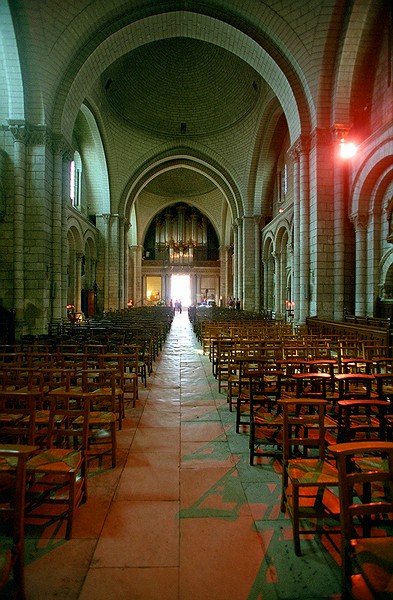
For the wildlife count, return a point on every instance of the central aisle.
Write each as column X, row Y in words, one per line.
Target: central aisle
column 179, row 525
column 183, row 516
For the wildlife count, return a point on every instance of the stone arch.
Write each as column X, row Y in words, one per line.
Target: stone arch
column 11, row 84
column 176, row 159
column 268, row 272
column 363, row 17
column 90, row 254
column 374, row 165
column 72, row 91
column 260, row 188
column 386, row 276
column 95, row 168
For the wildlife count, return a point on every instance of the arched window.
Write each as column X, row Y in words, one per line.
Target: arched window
column 76, row 180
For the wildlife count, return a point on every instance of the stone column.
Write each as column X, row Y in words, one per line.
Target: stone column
column 294, row 154
column 139, row 294
column 61, row 175
column 277, row 283
column 235, row 258
column 265, row 295
column 163, row 288
column 19, row 135
column 57, row 312
column 290, row 253
column 360, row 223
column 248, row 263
column 257, row 263
column 304, row 232
column 340, row 197
column 223, row 291
column 106, row 218
column 78, row 282
column 116, row 233
column 240, row 263
column 64, row 234
column 125, row 273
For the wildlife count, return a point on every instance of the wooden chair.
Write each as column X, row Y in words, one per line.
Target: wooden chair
column 354, row 385
column 12, row 509
column 108, row 395
column 104, row 406
column 142, row 360
column 128, row 369
column 366, row 513
column 307, row 478
column 311, row 385
column 246, row 366
column 265, row 420
column 57, row 475
column 22, row 417
column 364, row 418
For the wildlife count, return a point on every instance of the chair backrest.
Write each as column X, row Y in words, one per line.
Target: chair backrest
column 303, row 427
column 68, row 423
column 361, row 417
column 18, row 416
column 12, row 508
column 365, row 485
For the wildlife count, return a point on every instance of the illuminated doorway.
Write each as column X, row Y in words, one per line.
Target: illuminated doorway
column 181, row 289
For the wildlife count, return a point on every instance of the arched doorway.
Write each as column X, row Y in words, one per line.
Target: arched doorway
column 181, row 289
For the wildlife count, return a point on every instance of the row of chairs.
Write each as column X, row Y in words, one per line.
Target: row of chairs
column 59, row 415
column 47, row 480
column 336, row 464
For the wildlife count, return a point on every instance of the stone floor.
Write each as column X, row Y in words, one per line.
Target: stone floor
column 183, row 516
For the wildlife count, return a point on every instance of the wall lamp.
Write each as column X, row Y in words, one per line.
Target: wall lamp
column 347, row 148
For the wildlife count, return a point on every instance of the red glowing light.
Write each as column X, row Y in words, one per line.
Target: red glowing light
column 347, row 149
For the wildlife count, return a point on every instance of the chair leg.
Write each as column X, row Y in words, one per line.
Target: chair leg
column 251, row 444
column 283, row 488
column 71, row 507
column 113, row 434
column 295, row 520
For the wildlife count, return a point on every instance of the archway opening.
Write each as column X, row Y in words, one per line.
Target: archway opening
column 181, row 289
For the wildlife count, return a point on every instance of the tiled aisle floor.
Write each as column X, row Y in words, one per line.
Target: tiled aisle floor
column 183, row 516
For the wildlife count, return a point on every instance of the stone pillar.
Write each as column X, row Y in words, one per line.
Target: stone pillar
column 163, row 290
column 240, row 263
column 277, row 282
column 61, row 177
column 64, row 235
column 340, row 192
column 224, row 274
column 265, row 296
column 360, row 224
column 19, row 135
column 116, row 233
column 139, row 294
column 290, row 253
column 304, row 232
column 78, row 282
column 257, row 263
column 248, row 258
column 106, row 218
column 235, row 259
column 125, row 273
column 57, row 312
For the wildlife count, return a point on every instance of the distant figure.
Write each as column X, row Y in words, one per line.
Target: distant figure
column 180, row 306
column 230, row 302
column 237, row 304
